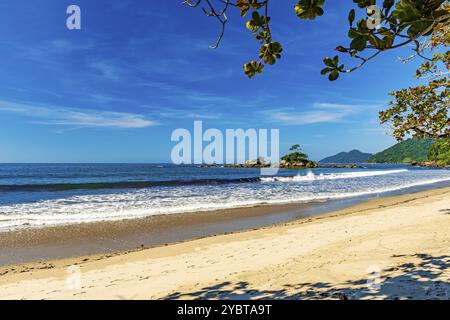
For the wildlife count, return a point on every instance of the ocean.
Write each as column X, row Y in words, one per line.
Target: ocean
column 39, row 195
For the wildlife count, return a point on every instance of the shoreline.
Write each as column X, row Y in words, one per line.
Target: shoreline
column 41, row 244
column 104, row 237
column 388, row 232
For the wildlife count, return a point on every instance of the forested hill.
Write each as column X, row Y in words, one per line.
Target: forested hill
column 408, row 151
column 354, row 156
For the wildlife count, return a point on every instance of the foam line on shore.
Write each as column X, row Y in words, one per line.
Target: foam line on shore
column 16, row 222
column 332, row 176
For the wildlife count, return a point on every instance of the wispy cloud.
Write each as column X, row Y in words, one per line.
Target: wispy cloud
column 371, row 131
column 62, row 116
column 107, row 70
column 319, row 113
column 58, row 48
column 198, row 113
column 64, row 46
column 179, row 93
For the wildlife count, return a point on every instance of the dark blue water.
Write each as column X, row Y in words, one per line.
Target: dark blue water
column 40, row 174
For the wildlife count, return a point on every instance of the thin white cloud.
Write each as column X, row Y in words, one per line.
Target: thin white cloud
column 338, row 107
column 183, row 113
column 370, row 131
column 61, row 116
column 319, row 113
column 308, row 117
column 65, row 46
column 107, row 70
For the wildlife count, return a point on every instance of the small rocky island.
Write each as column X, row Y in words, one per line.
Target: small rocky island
column 287, row 165
column 294, row 160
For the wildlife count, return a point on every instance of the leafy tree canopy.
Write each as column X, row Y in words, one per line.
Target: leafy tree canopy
column 373, row 29
column 296, row 155
column 423, row 111
column 394, row 24
column 440, row 152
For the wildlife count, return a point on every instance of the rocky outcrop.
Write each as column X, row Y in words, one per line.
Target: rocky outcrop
column 342, row 166
column 430, row 164
column 301, row 164
column 286, row 165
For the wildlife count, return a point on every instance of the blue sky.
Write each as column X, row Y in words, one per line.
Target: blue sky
column 115, row 90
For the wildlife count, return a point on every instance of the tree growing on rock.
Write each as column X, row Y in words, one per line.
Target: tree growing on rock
column 296, row 156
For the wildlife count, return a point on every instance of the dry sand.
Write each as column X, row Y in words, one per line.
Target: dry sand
column 395, row 248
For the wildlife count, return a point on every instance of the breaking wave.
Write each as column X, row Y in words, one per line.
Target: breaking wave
column 332, row 176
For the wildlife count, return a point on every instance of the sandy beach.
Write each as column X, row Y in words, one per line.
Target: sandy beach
column 389, row 248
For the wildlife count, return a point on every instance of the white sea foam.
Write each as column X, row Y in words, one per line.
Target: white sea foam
column 332, row 176
column 171, row 200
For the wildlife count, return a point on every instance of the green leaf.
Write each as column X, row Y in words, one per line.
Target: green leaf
column 336, row 61
column 252, row 68
column 334, row 75
column 256, row 17
column 359, row 43
column 351, row 17
column 250, row 25
column 309, row 9
column 352, row 33
column 329, row 62
column 325, row 71
column 276, row 47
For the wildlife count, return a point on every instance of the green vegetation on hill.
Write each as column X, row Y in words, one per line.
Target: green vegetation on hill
column 354, row 156
column 408, row 151
column 440, row 152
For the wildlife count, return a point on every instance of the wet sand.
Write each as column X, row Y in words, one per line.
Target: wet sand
column 58, row 242
column 112, row 236
column 394, row 248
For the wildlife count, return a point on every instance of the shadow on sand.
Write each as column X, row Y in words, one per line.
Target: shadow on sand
column 429, row 278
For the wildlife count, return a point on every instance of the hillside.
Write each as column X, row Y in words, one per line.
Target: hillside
column 412, row 150
column 354, row 156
